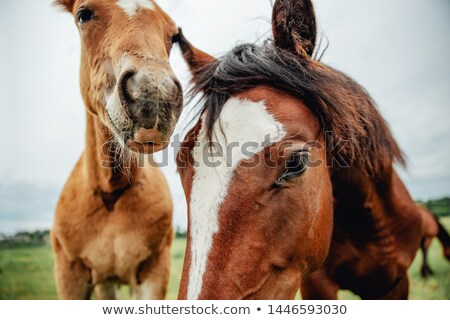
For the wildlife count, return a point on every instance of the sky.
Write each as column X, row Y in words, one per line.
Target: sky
column 397, row 49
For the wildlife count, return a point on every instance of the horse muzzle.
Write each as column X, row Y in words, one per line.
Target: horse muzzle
column 152, row 101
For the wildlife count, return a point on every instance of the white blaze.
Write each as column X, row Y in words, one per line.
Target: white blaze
column 131, row 7
column 241, row 121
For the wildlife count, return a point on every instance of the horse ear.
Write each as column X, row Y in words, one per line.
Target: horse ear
column 294, row 26
column 65, row 4
column 195, row 58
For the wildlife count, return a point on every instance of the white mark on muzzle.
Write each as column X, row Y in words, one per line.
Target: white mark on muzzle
column 242, row 121
column 131, row 7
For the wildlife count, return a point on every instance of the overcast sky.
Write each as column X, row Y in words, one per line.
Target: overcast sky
column 397, row 49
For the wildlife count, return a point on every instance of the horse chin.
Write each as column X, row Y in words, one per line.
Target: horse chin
column 146, row 140
column 145, row 148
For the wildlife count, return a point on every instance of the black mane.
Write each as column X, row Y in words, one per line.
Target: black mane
column 342, row 106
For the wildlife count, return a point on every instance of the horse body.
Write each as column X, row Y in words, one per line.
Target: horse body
column 113, row 222
column 103, row 240
column 269, row 228
column 376, row 235
column 432, row 228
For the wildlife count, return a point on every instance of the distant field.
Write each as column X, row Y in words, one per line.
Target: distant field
column 27, row 273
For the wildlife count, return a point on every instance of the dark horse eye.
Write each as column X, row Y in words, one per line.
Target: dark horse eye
column 296, row 165
column 85, row 15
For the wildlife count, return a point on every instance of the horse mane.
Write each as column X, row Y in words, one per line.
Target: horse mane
column 342, row 106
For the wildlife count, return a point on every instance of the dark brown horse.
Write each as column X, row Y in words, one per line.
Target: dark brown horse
column 432, row 228
column 289, row 176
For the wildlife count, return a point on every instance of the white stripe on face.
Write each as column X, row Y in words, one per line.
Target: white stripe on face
column 131, row 7
column 241, row 121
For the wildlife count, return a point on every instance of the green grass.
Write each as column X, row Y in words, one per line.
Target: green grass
column 437, row 286
column 27, row 273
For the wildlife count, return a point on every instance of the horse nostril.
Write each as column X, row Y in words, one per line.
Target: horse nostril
column 125, row 92
column 278, row 268
column 281, row 265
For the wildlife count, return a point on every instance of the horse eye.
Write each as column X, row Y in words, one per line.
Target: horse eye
column 85, row 15
column 295, row 167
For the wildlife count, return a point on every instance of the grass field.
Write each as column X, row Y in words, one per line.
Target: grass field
column 27, row 273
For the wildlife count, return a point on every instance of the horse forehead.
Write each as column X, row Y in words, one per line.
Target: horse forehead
column 131, row 7
column 245, row 120
column 240, row 122
column 289, row 109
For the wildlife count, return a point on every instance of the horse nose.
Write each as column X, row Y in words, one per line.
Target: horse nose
column 146, row 93
column 127, row 95
column 153, row 86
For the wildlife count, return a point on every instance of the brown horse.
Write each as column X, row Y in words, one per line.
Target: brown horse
column 432, row 228
column 275, row 202
column 113, row 221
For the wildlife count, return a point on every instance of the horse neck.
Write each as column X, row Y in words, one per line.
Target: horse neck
column 379, row 216
column 104, row 166
column 362, row 202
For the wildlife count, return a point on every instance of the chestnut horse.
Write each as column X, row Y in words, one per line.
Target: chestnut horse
column 113, row 222
column 289, row 176
column 432, row 228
